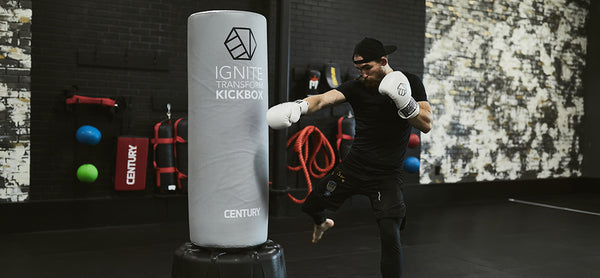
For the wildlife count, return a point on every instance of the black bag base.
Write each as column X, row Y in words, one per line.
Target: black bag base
column 263, row 261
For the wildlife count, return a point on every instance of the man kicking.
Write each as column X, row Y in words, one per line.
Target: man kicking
column 386, row 105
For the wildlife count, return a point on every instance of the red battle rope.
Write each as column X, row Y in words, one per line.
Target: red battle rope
column 310, row 167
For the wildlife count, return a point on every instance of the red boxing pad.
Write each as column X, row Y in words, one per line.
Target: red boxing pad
column 132, row 158
column 414, row 141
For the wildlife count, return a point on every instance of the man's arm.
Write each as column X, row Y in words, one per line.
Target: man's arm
column 320, row 101
column 285, row 114
column 424, row 119
column 397, row 86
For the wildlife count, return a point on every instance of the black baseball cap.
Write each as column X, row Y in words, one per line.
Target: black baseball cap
column 371, row 49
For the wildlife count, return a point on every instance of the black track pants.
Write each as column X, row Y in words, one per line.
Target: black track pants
column 391, row 248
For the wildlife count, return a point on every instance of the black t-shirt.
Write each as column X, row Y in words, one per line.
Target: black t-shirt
column 381, row 135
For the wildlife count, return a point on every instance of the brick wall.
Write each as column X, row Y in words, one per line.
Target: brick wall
column 134, row 49
column 15, row 96
column 115, row 29
column 321, row 31
column 505, row 84
column 326, row 31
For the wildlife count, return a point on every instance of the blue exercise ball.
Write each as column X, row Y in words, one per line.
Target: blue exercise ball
column 412, row 164
column 88, row 135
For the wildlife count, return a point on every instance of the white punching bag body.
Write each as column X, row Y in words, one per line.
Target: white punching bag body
column 228, row 133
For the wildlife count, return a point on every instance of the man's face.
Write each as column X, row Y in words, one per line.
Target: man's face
column 371, row 73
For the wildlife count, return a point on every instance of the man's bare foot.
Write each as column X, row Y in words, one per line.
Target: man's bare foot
column 320, row 229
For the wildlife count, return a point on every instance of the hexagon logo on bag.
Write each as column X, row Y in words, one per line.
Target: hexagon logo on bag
column 241, row 43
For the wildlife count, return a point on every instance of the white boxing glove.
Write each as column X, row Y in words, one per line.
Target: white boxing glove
column 285, row 114
column 396, row 86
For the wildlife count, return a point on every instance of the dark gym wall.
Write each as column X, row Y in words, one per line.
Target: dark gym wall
column 142, row 49
column 591, row 158
column 326, row 31
column 322, row 31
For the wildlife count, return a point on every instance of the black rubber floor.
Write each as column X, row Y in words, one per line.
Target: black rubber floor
column 500, row 238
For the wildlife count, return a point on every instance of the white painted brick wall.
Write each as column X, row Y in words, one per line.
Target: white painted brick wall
column 15, row 107
column 504, row 79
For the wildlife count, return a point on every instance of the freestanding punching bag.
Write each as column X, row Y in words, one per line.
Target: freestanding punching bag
column 228, row 147
column 228, row 136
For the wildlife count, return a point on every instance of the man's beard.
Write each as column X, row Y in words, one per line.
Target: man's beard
column 372, row 82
